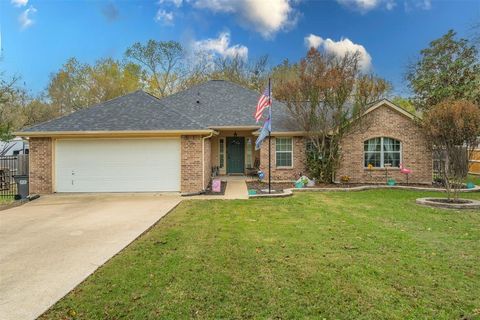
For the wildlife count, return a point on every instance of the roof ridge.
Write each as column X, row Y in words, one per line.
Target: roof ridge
column 383, row 100
column 186, row 89
column 158, row 100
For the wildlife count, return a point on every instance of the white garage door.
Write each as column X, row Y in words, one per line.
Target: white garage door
column 117, row 165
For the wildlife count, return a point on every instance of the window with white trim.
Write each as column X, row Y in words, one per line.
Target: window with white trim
column 381, row 151
column 283, row 152
column 221, row 152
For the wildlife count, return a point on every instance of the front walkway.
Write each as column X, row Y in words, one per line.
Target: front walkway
column 236, row 187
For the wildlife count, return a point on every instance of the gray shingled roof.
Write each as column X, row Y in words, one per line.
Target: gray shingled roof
column 218, row 103
column 134, row 111
column 214, row 103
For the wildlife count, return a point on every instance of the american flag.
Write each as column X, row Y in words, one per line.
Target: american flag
column 263, row 103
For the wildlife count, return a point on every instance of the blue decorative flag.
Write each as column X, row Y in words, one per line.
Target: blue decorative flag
column 266, row 129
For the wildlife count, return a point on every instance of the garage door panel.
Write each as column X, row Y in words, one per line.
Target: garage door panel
column 117, row 165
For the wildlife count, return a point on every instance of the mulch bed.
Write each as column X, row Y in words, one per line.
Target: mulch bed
column 353, row 185
column 454, row 201
column 223, row 187
column 259, row 187
column 279, row 187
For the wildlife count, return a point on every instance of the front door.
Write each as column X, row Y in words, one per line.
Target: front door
column 235, row 154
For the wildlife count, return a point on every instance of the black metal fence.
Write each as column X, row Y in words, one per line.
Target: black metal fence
column 11, row 166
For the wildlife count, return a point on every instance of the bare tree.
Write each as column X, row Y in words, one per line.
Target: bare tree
column 162, row 60
column 12, row 99
column 250, row 74
column 10, row 96
column 323, row 93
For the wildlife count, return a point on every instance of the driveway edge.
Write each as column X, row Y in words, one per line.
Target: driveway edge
column 105, row 262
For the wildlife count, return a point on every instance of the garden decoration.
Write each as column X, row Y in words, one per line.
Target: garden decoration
column 216, row 185
column 370, row 168
column 387, row 165
column 311, row 183
column 261, row 175
column 405, row 171
column 345, row 179
column 391, row 182
column 470, row 185
column 302, row 182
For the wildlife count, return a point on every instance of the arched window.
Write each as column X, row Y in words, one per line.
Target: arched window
column 381, row 151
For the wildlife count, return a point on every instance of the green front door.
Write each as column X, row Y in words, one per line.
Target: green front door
column 235, row 154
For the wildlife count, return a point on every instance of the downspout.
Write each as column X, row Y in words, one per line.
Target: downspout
column 203, row 158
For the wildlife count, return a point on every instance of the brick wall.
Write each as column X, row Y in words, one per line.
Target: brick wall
column 208, row 161
column 386, row 122
column 40, row 163
column 191, row 167
column 284, row 174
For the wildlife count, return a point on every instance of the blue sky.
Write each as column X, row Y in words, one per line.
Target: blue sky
column 38, row 36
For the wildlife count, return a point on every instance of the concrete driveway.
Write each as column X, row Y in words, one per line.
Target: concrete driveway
column 50, row 245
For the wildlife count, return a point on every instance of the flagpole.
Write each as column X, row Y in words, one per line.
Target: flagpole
column 270, row 140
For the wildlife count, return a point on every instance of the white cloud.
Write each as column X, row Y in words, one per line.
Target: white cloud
column 19, row 3
column 410, row 5
column 176, row 3
column 313, row 41
column 164, row 17
column 221, row 46
column 390, row 4
column 424, row 4
column 265, row 16
column 367, row 5
column 340, row 48
column 362, row 5
column 25, row 18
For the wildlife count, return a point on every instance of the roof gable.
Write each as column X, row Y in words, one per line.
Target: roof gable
column 389, row 104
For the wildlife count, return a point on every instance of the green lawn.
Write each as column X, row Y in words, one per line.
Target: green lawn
column 5, row 200
column 358, row 255
column 474, row 178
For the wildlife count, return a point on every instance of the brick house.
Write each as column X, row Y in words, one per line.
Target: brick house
column 138, row 143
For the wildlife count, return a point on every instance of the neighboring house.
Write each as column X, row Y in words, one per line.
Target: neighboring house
column 140, row 143
column 13, row 147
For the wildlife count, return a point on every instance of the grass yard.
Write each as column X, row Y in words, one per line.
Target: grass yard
column 5, row 200
column 474, row 178
column 359, row 255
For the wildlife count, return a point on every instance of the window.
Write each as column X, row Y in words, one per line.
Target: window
column 283, row 152
column 221, row 152
column 249, row 152
column 381, row 151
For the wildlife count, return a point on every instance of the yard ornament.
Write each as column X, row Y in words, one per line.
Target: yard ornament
column 405, row 171
column 216, row 185
column 261, row 175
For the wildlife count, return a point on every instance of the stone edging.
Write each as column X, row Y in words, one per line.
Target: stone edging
column 289, row 192
column 473, row 204
column 360, row 188
column 286, row 193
